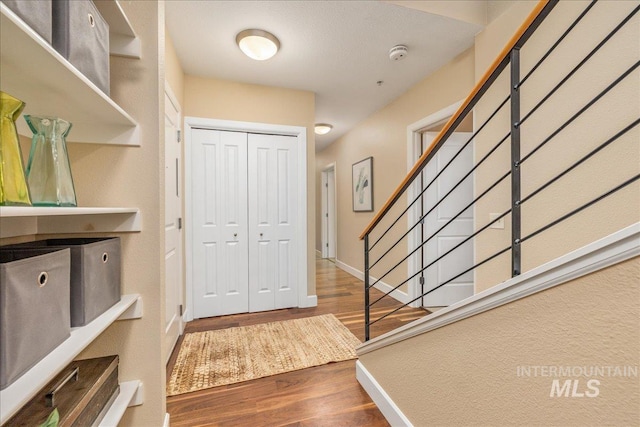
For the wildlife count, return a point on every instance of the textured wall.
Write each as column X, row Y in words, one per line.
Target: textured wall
column 466, row 373
column 127, row 176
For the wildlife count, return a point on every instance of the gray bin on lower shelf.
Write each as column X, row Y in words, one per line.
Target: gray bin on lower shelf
column 36, row 14
column 34, row 307
column 95, row 274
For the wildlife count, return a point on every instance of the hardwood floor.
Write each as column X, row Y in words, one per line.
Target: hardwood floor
column 327, row 395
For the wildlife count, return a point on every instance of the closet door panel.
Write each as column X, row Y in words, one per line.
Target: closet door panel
column 272, row 228
column 220, row 232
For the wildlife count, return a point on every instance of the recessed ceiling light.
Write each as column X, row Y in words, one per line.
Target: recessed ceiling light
column 258, row 44
column 322, row 128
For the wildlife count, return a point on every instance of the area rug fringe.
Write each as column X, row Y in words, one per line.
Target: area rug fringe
column 227, row 356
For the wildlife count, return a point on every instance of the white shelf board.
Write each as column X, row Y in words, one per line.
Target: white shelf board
column 123, row 40
column 131, row 394
column 24, row 388
column 27, row 220
column 37, row 74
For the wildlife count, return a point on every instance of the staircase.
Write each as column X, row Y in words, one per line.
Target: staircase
column 552, row 241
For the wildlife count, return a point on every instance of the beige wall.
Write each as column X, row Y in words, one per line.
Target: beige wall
column 173, row 69
column 119, row 176
column 227, row 100
column 383, row 135
column 466, row 373
column 610, row 167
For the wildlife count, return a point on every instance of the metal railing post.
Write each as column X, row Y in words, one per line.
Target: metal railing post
column 366, row 287
column 516, row 254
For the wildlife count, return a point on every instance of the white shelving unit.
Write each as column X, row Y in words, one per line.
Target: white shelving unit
column 21, row 221
column 37, row 74
column 123, row 41
column 24, row 388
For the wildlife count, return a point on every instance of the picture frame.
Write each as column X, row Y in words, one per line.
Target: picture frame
column 362, row 185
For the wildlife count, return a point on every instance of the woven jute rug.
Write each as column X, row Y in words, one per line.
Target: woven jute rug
column 226, row 356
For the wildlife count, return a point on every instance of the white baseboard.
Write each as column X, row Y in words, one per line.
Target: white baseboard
column 391, row 412
column 615, row 248
column 311, row 301
column 397, row 294
column 186, row 316
column 166, row 420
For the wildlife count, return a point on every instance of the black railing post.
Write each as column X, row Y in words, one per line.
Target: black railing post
column 366, row 287
column 515, row 163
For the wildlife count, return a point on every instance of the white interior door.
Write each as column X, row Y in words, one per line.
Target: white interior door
column 220, row 238
column 328, row 213
column 272, row 222
column 461, row 258
column 331, row 213
column 172, row 226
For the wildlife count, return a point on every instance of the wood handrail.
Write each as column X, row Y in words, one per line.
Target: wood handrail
column 417, row 168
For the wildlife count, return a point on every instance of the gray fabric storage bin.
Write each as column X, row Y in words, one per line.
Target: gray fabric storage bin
column 81, row 35
column 36, row 14
column 95, row 274
column 34, row 307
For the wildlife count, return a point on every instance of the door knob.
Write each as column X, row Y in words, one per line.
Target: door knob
column 235, row 234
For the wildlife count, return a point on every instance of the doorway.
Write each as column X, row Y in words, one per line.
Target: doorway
column 437, row 227
column 329, row 214
column 246, row 228
column 174, row 325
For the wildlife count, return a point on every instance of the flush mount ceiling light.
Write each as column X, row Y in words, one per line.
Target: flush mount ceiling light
column 257, row 44
column 322, row 128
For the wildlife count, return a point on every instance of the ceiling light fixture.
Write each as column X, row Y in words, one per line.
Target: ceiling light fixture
column 322, row 128
column 258, row 44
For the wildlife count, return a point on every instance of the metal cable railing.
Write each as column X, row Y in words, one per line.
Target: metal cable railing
column 387, row 241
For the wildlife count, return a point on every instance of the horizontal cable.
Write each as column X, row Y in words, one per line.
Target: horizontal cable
column 546, row 55
column 582, row 160
column 577, row 67
column 442, row 198
column 581, row 208
column 445, row 254
column 582, row 110
column 420, row 296
column 443, row 169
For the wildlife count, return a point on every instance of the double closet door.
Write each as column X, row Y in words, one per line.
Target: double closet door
column 244, row 213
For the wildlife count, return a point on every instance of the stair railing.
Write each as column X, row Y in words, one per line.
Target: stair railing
column 509, row 60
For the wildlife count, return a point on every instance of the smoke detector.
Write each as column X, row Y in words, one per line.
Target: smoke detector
column 398, row 52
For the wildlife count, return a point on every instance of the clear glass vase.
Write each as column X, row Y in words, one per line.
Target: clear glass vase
column 48, row 169
column 13, row 184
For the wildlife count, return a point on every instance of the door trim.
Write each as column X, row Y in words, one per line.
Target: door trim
column 414, row 136
column 300, row 133
column 325, row 208
column 181, row 319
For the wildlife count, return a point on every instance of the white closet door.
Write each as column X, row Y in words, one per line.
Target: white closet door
column 272, row 222
column 220, row 239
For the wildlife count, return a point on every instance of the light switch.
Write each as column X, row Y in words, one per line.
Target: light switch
column 498, row 225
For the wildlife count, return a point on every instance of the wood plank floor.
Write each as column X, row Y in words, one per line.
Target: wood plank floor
column 326, row 395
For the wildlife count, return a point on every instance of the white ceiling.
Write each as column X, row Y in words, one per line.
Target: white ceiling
column 337, row 49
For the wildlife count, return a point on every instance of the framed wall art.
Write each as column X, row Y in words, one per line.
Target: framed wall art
column 362, row 185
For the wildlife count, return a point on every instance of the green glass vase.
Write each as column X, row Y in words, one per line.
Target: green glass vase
column 13, row 184
column 48, row 169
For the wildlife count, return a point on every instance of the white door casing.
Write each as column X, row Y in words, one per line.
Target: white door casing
column 457, row 230
column 173, row 230
column 220, row 232
column 298, row 187
column 272, row 222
